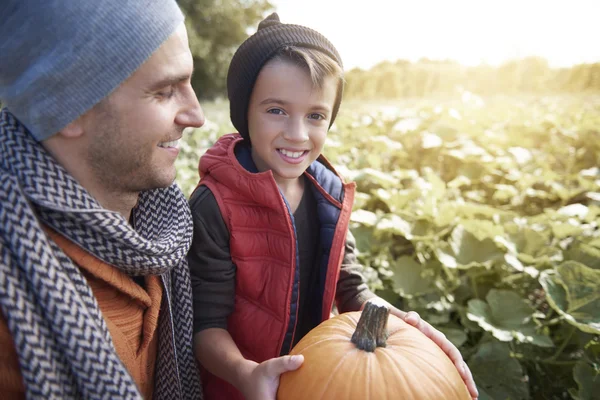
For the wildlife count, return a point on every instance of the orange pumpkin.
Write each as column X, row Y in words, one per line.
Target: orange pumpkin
column 371, row 356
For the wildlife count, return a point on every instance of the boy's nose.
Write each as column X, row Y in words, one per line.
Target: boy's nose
column 296, row 131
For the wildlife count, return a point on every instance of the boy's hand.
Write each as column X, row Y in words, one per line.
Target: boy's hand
column 262, row 380
column 440, row 339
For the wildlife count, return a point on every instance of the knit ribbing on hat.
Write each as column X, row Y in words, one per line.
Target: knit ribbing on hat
column 61, row 58
column 256, row 51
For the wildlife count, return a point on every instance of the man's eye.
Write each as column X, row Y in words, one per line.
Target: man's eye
column 167, row 93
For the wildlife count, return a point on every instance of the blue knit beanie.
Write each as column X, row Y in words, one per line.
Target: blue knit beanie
column 58, row 58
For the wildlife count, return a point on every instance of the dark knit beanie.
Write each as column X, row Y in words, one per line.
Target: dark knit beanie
column 253, row 54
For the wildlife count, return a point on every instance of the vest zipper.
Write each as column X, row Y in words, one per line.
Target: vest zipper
column 292, row 329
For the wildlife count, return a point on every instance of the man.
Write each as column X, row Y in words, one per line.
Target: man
column 95, row 298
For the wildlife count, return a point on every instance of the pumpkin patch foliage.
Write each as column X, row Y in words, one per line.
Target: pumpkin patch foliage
column 482, row 215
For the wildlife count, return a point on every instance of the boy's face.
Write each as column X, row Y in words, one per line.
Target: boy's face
column 288, row 119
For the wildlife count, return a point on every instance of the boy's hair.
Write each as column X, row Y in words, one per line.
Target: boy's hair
column 302, row 45
column 317, row 64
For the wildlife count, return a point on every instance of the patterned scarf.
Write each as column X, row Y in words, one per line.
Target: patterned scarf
column 64, row 346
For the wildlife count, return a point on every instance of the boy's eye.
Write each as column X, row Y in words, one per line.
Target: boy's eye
column 316, row 116
column 276, row 111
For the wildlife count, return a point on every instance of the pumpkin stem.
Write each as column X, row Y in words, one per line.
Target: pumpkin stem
column 371, row 330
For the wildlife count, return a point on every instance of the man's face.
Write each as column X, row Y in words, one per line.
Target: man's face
column 133, row 134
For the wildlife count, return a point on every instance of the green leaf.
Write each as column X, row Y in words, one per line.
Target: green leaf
column 583, row 288
column 457, row 336
column 587, row 373
column 530, row 246
column 481, row 211
column 497, row 375
column 459, row 182
column 383, row 143
column 396, row 225
column 470, row 244
column 507, row 316
column 398, row 199
column 438, row 186
column 364, row 217
column 505, row 192
column 446, row 215
column 526, row 239
column 573, row 290
column 364, row 237
column 574, row 210
column 368, row 179
column 410, row 277
column 509, row 308
column 585, row 254
column 565, row 230
column 430, row 140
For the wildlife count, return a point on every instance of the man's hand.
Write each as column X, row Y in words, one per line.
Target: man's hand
column 413, row 318
column 262, row 380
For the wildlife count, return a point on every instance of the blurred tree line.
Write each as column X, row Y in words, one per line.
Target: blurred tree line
column 426, row 77
column 215, row 29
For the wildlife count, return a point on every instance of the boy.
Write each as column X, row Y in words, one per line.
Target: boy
column 271, row 249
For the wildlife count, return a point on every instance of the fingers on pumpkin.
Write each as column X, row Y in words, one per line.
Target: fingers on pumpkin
column 413, row 318
column 471, row 383
column 277, row 366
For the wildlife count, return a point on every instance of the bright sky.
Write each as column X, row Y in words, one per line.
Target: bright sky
column 365, row 32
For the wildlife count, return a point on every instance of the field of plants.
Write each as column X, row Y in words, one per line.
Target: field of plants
column 481, row 214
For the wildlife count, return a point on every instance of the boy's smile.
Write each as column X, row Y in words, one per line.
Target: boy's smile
column 288, row 119
column 292, row 156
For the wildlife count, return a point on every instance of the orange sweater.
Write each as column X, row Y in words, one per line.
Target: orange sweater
column 130, row 312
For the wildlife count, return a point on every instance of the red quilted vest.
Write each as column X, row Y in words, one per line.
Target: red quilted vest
column 263, row 248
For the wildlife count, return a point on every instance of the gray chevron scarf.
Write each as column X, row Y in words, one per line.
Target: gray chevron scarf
column 64, row 346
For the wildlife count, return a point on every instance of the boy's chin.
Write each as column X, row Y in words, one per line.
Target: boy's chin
column 290, row 173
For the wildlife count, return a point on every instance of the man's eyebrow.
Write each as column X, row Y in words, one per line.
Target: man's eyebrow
column 170, row 80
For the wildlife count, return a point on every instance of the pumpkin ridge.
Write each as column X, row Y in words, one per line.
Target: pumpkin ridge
column 417, row 350
column 368, row 369
column 334, row 372
column 302, row 348
column 395, row 364
column 416, row 359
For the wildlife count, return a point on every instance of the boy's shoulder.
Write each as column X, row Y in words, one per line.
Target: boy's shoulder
column 207, row 214
column 327, row 177
column 203, row 201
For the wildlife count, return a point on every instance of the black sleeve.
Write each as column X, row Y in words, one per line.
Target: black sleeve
column 352, row 290
column 211, row 269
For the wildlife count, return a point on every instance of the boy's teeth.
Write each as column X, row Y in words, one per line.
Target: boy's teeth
column 292, row 154
column 172, row 143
